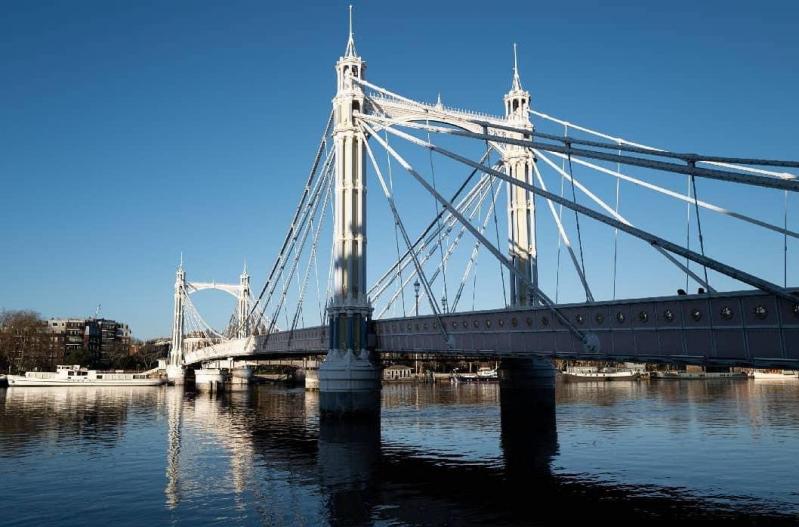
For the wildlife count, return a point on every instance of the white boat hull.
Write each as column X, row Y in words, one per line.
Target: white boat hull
column 768, row 376
column 599, row 376
column 20, row 381
column 696, row 376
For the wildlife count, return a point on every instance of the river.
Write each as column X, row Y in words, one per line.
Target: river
column 440, row 454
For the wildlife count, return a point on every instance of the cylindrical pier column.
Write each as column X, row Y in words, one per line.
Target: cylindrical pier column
column 527, row 412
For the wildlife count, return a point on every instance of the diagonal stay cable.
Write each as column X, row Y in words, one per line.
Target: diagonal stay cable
column 476, row 233
column 652, row 239
column 395, row 212
column 305, row 193
column 614, row 214
column 431, row 252
column 426, row 231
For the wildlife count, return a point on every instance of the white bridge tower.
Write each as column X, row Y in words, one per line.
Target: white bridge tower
column 348, row 379
column 519, row 164
column 174, row 369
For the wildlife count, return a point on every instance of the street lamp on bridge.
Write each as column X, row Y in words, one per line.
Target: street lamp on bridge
column 416, row 286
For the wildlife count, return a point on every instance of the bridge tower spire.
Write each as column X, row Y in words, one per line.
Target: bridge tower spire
column 348, row 378
column 175, row 370
column 519, row 162
column 244, row 304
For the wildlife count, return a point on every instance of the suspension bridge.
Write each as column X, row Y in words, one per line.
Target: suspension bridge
column 373, row 130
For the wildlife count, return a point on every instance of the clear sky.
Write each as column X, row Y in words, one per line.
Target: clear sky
column 132, row 131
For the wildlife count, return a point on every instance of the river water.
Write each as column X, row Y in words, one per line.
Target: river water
column 440, row 454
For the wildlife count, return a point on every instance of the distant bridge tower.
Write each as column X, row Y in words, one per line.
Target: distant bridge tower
column 243, row 306
column 519, row 162
column 175, row 370
column 347, row 375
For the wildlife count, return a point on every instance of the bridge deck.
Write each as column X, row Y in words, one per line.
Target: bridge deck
column 742, row 328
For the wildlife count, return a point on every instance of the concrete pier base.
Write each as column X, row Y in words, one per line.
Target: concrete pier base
column 241, row 376
column 311, row 379
column 349, row 384
column 210, row 379
column 176, row 375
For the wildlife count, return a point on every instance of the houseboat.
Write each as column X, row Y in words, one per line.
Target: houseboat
column 74, row 375
column 590, row 373
column 776, row 375
column 679, row 375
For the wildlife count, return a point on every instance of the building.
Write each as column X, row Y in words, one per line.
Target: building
column 114, row 338
column 397, row 372
column 102, row 338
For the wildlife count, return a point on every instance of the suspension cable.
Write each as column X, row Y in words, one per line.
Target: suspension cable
column 496, row 230
column 560, row 221
column 305, row 193
column 476, row 233
column 437, row 207
column 658, row 243
column 421, row 238
column 688, row 230
column 666, row 166
column 564, row 237
column 314, row 246
column 396, row 233
column 650, row 238
column 472, row 263
column 698, row 223
column 392, row 205
column 614, row 214
column 615, row 230
column 576, row 216
column 289, row 245
column 449, row 223
column 327, row 181
column 785, row 241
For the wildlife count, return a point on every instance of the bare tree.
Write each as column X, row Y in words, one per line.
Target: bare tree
column 24, row 341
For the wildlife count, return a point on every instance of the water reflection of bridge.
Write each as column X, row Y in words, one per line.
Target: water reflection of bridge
column 266, row 455
column 279, row 451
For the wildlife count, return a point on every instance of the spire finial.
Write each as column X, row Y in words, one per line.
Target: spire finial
column 517, row 83
column 181, row 260
column 245, row 266
column 439, row 104
column 350, row 51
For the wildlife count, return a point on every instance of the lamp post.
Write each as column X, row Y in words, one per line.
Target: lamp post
column 416, row 286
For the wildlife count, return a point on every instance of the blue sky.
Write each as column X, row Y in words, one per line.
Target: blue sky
column 132, row 131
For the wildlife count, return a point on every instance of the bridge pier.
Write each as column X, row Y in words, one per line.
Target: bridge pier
column 349, row 384
column 527, row 413
column 176, row 374
column 349, row 460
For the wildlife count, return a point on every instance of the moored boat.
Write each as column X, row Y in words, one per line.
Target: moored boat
column 487, row 373
column 483, row 375
column 776, row 375
column 676, row 375
column 74, row 375
column 575, row 374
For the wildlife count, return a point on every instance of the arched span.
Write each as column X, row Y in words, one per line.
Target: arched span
column 402, row 111
column 233, row 290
